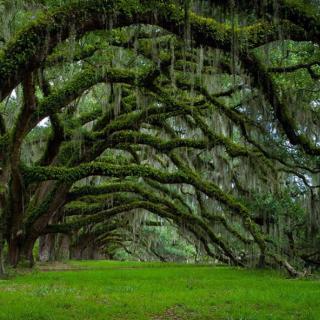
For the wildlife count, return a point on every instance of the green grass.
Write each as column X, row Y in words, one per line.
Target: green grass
column 114, row 290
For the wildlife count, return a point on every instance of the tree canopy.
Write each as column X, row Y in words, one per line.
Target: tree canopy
column 119, row 116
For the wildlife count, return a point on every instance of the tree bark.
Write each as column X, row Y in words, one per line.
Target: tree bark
column 2, row 268
column 27, row 252
column 47, row 248
column 13, row 251
column 63, row 247
column 76, row 253
column 20, row 251
column 262, row 261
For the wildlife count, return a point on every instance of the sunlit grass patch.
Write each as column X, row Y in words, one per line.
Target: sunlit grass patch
column 116, row 290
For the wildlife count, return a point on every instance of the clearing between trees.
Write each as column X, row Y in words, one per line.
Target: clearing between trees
column 99, row 290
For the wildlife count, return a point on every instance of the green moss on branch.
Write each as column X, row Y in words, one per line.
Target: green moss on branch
column 70, row 175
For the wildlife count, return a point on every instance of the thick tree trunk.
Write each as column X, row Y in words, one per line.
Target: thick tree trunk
column 13, row 252
column 21, row 251
column 27, row 252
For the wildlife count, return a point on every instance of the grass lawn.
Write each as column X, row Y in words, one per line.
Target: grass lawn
column 127, row 290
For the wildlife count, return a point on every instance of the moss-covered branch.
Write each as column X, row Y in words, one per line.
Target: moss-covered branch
column 30, row 48
column 299, row 12
column 212, row 190
column 61, row 97
column 262, row 77
column 63, row 174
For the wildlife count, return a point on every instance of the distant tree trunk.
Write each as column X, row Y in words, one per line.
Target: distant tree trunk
column 90, row 252
column 85, row 253
column 63, row 247
column 98, row 255
column 47, row 248
column 2, row 228
column 262, row 261
column 2, row 268
column 76, row 253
